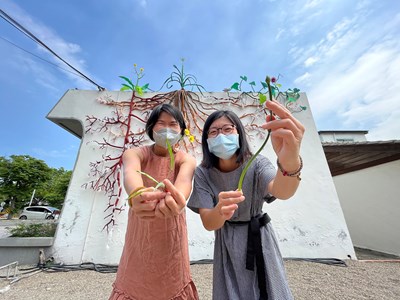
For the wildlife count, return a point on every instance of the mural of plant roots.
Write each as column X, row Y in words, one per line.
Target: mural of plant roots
column 125, row 127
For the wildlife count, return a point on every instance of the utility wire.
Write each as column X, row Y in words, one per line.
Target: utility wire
column 37, row 56
column 25, row 31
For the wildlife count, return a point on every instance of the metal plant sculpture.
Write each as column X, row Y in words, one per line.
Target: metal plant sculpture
column 128, row 119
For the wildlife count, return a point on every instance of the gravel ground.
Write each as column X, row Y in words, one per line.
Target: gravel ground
column 366, row 278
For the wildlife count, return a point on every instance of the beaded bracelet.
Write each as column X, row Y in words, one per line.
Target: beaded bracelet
column 296, row 173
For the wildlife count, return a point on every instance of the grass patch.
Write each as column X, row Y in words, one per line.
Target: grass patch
column 34, row 230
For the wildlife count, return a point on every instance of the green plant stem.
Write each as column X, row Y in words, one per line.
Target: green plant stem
column 250, row 161
column 135, row 194
column 171, row 155
column 148, row 176
column 159, row 184
column 243, row 174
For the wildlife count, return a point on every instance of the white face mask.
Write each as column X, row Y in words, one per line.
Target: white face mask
column 161, row 136
column 223, row 146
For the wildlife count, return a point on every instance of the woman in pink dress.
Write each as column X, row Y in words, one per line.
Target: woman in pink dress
column 155, row 259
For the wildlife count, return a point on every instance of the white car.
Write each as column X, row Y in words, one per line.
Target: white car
column 39, row 213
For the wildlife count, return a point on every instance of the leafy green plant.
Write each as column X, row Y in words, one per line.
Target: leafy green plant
column 290, row 95
column 34, row 230
column 184, row 80
column 237, row 86
column 135, row 87
column 272, row 88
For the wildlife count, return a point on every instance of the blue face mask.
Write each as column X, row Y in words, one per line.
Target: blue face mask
column 161, row 136
column 223, row 146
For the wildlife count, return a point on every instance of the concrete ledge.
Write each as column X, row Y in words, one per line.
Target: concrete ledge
column 26, row 242
column 24, row 250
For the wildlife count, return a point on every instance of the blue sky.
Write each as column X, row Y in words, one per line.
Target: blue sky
column 344, row 54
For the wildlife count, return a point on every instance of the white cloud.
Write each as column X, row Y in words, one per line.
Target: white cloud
column 303, row 79
column 312, row 3
column 365, row 95
column 70, row 52
column 54, row 153
column 356, row 79
column 340, row 29
column 337, row 41
column 281, row 31
column 388, row 129
column 310, row 61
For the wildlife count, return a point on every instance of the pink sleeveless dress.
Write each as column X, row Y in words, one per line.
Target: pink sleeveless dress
column 155, row 259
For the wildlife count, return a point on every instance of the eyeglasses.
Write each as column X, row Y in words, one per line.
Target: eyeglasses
column 226, row 129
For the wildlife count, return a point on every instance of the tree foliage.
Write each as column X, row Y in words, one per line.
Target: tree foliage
column 20, row 175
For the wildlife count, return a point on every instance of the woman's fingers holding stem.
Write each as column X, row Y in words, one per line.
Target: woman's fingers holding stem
column 231, row 197
column 153, row 195
column 175, row 193
column 283, row 114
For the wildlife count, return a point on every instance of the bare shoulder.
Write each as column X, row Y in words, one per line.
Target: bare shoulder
column 133, row 153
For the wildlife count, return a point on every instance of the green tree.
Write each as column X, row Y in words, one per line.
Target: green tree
column 19, row 176
column 53, row 191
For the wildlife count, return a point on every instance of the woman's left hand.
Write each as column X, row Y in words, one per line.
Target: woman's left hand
column 286, row 135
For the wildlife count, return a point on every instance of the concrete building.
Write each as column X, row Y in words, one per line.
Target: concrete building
column 310, row 225
column 342, row 136
column 367, row 179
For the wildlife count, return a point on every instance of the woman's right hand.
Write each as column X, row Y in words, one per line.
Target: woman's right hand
column 144, row 204
column 228, row 203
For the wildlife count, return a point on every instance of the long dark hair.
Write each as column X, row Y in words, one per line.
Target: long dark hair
column 209, row 159
column 155, row 114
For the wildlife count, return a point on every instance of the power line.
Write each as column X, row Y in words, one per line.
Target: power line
column 25, row 31
column 37, row 56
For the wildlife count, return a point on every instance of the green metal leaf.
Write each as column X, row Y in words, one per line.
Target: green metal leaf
column 262, row 98
column 235, row 86
column 127, row 80
column 126, row 87
column 252, row 83
column 265, row 86
column 243, row 77
column 145, row 87
column 273, row 91
column 139, row 90
column 292, row 97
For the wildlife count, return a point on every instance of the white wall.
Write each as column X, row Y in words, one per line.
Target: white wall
column 370, row 200
column 350, row 136
column 310, row 225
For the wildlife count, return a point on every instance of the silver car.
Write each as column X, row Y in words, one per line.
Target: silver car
column 40, row 213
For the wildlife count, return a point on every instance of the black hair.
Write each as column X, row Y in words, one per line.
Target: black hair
column 209, row 159
column 155, row 115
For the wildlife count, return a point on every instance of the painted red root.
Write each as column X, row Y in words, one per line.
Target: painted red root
column 106, row 173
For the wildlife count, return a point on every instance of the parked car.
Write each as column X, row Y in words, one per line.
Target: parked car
column 39, row 212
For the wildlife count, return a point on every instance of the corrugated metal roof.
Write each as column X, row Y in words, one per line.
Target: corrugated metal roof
column 347, row 157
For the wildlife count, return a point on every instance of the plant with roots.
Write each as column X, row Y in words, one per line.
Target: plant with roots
column 288, row 98
column 126, row 122
column 126, row 126
column 129, row 86
column 270, row 87
column 182, row 79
